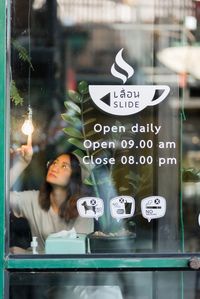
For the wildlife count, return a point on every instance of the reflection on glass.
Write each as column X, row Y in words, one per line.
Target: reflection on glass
column 61, row 50
column 110, row 285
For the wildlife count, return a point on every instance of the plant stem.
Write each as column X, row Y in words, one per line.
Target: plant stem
column 87, row 151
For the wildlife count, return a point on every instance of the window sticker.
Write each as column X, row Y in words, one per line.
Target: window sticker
column 90, row 207
column 129, row 99
column 122, row 207
column 153, row 207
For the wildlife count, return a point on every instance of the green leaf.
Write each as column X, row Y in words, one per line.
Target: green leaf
column 23, row 55
column 88, row 181
column 90, row 133
column 122, row 189
column 71, row 105
column 73, row 132
column 190, row 175
column 134, row 185
column 74, row 96
column 89, row 121
column 97, row 151
column 83, row 87
column 86, row 99
column 77, row 143
column 14, row 94
column 191, row 169
column 88, row 110
column 71, row 119
column 79, row 153
column 132, row 176
column 87, row 169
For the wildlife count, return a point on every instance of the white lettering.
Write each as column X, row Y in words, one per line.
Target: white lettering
column 97, row 144
column 98, row 161
column 106, row 129
column 146, row 129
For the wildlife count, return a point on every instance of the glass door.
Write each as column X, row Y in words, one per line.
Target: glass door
column 103, row 148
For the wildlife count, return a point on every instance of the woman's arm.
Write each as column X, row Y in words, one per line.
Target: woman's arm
column 23, row 158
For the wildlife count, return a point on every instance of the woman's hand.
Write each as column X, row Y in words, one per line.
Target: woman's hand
column 26, row 151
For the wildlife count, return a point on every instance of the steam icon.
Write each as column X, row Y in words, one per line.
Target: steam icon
column 124, row 66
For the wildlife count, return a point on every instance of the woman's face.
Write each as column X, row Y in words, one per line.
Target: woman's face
column 60, row 171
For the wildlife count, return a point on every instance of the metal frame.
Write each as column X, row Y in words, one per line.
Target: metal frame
column 3, row 89
column 99, row 263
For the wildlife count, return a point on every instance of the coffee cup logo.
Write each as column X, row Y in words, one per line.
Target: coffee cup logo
column 126, row 99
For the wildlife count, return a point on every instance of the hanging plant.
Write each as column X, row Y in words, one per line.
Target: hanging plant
column 22, row 53
column 15, row 96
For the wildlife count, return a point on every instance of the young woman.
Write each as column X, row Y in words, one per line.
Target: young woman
column 53, row 207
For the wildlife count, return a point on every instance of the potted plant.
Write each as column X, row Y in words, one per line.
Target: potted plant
column 110, row 235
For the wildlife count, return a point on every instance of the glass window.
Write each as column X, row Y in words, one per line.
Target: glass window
column 112, row 113
column 110, row 285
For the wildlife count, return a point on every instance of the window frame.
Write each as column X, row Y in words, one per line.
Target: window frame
column 4, row 13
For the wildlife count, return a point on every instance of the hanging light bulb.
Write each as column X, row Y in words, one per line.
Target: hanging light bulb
column 27, row 127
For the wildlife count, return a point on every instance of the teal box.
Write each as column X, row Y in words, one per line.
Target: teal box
column 66, row 245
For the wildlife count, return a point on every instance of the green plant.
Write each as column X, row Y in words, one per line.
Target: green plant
column 80, row 118
column 15, row 96
column 190, row 175
column 77, row 126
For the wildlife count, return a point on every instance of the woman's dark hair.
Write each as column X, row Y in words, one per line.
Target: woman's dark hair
column 68, row 209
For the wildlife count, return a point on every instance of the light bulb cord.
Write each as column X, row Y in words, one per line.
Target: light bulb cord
column 29, row 53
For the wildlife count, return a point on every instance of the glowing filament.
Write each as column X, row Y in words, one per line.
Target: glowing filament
column 27, row 127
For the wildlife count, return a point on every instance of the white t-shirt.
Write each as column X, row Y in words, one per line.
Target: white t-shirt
column 43, row 223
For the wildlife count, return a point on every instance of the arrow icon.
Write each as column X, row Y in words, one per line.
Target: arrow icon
column 106, row 99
